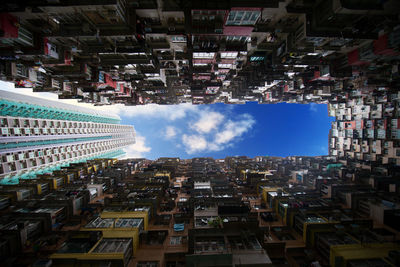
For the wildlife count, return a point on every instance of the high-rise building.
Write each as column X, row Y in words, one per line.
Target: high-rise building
column 39, row 135
column 170, row 51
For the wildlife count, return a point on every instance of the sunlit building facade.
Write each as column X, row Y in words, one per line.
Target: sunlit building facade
column 38, row 135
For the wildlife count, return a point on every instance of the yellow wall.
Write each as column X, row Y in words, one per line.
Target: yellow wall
column 265, row 191
column 39, row 189
column 107, row 233
column 163, row 173
column 360, row 251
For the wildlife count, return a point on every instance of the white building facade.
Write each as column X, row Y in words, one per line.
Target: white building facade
column 38, row 135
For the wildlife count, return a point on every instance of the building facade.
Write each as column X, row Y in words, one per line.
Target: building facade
column 238, row 211
column 171, row 52
column 39, row 135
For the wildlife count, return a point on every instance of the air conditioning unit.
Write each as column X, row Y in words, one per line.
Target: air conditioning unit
column 67, row 86
column 4, row 131
column 55, row 83
column 21, row 156
column 19, row 70
column 16, row 131
column 25, row 37
column 9, row 158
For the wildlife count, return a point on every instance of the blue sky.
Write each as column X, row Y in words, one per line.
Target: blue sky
column 221, row 130
column 218, row 130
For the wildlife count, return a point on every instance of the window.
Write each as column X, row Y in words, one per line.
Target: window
column 240, row 18
column 224, row 66
column 254, row 58
column 152, row 74
column 236, row 38
column 179, row 39
column 176, row 240
column 203, row 55
column 212, row 90
column 4, row 122
column 229, row 54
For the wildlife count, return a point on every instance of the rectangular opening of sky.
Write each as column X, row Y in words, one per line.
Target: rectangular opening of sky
column 220, row 130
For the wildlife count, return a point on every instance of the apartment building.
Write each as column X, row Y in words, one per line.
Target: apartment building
column 168, row 52
column 40, row 135
column 99, row 211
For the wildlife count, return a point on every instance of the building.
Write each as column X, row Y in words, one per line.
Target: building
column 170, row 52
column 337, row 210
column 39, row 135
column 225, row 51
column 174, row 212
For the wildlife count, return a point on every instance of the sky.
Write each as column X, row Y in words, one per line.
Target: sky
column 218, row 130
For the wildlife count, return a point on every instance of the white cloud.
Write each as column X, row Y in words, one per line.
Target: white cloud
column 168, row 112
column 194, row 143
column 170, row 132
column 209, row 120
column 233, row 129
column 138, row 149
column 6, row 86
column 207, row 130
column 226, row 134
column 214, row 147
column 313, row 107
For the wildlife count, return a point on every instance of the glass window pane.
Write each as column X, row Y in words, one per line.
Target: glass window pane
column 232, row 15
column 255, row 16
column 247, row 16
column 239, row 16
